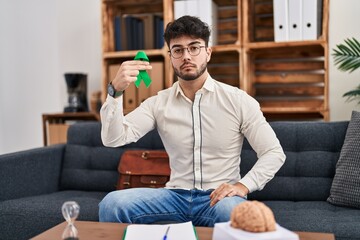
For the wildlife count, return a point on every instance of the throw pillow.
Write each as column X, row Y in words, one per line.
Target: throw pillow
column 345, row 188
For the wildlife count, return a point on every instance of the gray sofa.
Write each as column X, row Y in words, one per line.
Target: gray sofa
column 35, row 183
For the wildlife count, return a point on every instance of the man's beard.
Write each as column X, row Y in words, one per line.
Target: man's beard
column 191, row 76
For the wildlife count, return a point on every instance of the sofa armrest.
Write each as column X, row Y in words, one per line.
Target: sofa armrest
column 31, row 172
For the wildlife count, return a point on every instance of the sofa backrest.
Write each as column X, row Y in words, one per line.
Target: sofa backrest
column 312, row 150
column 90, row 166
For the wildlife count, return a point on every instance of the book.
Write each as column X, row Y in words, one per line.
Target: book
column 149, row 29
column 129, row 32
column 159, row 31
column 117, row 33
column 140, row 34
column 224, row 231
column 177, row 231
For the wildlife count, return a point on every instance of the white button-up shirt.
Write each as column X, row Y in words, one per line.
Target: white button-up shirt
column 203, row 138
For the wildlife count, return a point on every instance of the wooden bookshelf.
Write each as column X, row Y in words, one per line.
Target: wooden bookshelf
column 111, row 57
column 289, row 79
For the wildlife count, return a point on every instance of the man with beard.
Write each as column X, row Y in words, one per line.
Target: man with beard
column 202, row 123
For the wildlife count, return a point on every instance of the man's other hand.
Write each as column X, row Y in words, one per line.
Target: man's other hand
column 228, row 190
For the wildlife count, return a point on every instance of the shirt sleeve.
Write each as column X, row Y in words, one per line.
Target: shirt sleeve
column 117, row 129
column 263, row 140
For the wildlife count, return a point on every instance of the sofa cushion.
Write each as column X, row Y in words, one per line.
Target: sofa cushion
column 90, row 168
column 317, row 216
column 33, row 215
column 345, row 189
column 312, row 150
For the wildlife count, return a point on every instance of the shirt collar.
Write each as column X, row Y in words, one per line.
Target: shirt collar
column 208, row 85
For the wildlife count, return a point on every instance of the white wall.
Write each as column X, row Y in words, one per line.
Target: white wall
column 79, row 27
column 343, row 23
column 40, row 40
column 29, row 62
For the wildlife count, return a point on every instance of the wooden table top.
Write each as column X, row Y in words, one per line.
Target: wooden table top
column 114, row 231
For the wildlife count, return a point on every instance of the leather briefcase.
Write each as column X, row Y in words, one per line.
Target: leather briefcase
column 143, row 168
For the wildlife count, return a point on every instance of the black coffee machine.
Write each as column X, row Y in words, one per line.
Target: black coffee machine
column 77, row 91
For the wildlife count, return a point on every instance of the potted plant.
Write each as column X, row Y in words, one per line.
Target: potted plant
column 347, row 59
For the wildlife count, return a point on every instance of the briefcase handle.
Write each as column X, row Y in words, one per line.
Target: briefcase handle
column 154, row 155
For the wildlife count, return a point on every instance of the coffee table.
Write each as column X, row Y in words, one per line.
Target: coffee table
column 115, row 231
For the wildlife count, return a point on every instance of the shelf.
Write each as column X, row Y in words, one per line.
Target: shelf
column 135, row 7
column 133, row 3
column 292, row 113
column 294, row 116
column 264, row 45
column 226, row 48
column 290, row 110
column 226, row 2
column 132, row 53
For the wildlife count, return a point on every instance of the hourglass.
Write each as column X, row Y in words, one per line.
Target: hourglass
column 70, row 211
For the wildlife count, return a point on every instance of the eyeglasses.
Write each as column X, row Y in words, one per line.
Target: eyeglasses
column 178, row 52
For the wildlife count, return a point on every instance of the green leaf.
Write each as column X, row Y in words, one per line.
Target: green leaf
column 353, row 94
column 347, row 55
column 347, row 59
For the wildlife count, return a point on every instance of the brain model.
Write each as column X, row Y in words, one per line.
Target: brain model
column 253, row 216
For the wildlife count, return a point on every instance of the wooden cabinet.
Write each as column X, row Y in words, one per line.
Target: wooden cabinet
column 55, row 125
column 289, row 79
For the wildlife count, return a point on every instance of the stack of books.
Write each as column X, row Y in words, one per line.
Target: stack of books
column 140, row 31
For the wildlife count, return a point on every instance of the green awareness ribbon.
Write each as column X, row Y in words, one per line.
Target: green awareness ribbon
column 143, row 75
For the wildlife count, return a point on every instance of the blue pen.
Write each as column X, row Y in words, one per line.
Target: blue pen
column 166, row 233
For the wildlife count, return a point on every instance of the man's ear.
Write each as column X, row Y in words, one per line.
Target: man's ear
column 208, row 52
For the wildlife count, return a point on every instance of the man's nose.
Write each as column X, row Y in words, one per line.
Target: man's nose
column 186, row 54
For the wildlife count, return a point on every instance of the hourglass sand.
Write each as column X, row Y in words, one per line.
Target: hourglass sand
column 70, row 211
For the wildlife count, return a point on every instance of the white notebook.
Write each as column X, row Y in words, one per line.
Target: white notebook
column 177, row 231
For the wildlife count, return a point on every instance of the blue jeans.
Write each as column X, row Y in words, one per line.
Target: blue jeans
column 150, row 205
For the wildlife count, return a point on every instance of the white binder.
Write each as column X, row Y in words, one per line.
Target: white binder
column 281, row 19
column 311, row 15
column 179, row 8
column 206, row 10
column 295, row 20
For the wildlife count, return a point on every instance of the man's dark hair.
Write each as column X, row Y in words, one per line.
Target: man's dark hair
column 187, row 26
